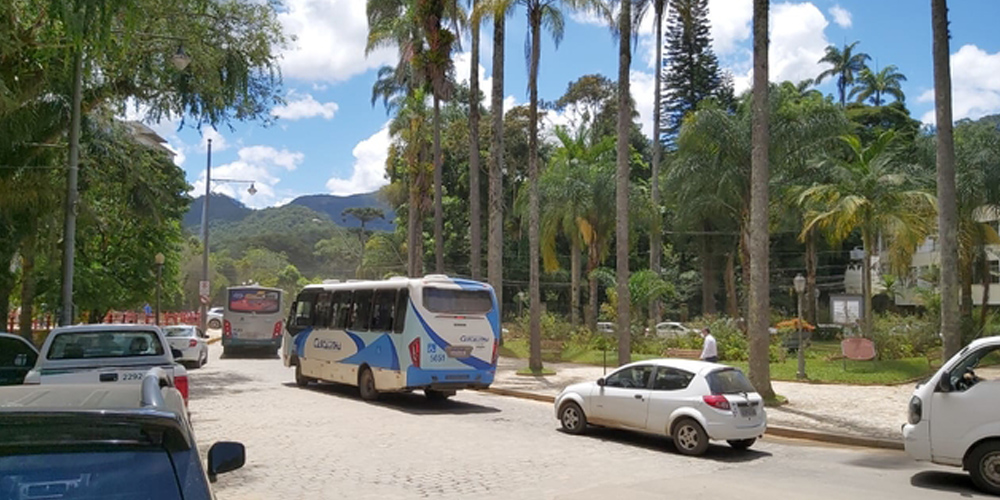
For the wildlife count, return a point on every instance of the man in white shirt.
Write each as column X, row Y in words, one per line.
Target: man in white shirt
column 710, row 351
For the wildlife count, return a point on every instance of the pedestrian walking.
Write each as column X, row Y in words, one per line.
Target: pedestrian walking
column 709, row 352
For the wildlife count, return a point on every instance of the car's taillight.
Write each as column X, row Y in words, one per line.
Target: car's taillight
column 717, row 401
column 181, row 383
column 227, row 329
column 277, row 330
column 415, row 352
column 193, row 343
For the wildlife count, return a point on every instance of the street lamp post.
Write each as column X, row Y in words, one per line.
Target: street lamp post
column 160, row 259
column 800, row 287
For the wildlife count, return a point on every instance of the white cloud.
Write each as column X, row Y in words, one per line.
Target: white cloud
column 798, row 42
column 463, row 65
column 975, row 86
column 261, row 165
column 841, row 16
column 642, row 86
column 219, row 142
column 301, row 106
column 369, row 166
column 330, row 40
column 730, row 24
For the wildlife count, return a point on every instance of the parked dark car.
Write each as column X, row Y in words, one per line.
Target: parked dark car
column 17, row 357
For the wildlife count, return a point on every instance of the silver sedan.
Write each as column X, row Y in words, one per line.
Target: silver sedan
column 190, row 341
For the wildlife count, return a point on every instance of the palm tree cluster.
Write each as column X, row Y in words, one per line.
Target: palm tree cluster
column 855, row 80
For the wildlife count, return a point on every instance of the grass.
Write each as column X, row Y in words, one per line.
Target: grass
column 531, row 373
column 820, row 369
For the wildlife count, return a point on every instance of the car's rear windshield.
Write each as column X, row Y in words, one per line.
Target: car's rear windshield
column 729, row 381
column 253, row 300
column 108, row 475
column 179, row 331
column 105, row 344
column 449, row 301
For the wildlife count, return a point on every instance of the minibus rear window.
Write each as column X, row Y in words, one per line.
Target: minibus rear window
column 449, row 301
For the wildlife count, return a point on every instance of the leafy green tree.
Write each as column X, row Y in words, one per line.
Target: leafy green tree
column 845, row 64
column 874, row 85
column 871, row 193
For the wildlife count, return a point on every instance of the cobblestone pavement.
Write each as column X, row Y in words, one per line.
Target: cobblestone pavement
column 870, row 411
column 324, row 442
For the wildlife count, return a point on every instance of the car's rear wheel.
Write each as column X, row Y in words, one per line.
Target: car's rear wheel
column 689, row 437
column 984, row 466
column 572, row 419
column 214, row 324
column 300, row 379
column 366, row 385
column 742, row 444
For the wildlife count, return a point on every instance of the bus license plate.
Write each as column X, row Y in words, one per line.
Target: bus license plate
column 459, row 351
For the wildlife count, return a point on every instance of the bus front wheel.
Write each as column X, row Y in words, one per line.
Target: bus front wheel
column 366, row 385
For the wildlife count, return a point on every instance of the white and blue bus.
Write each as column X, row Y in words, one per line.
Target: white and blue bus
column 436, row 334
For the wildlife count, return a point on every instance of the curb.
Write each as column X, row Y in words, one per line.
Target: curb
column 787, row 432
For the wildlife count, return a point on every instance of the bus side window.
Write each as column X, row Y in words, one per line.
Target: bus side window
column 321, row 317
column 341, row 310
column 382, row 310
column 304, row 311
column 362, row 310
column 402, row 304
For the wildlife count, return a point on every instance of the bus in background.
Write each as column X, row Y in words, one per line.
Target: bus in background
column 436, row 334
column 252, row 319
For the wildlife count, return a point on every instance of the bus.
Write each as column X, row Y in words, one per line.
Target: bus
column 252, row 319
column 436, row 334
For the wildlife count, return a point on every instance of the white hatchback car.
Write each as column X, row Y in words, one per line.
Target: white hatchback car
column 190, row 341
column 692, row 402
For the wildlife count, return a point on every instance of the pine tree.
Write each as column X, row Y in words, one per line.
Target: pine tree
column 690, row 68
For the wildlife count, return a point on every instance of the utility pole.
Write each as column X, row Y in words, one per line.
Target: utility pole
column 202, row 292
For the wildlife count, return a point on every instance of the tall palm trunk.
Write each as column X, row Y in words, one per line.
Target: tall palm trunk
column 475, row 228
column 866, row 279
column 438, row 207
column 947, row 201
column 412, row 232
column 655, row 241
column 732, row 302
column 574, row 286
column 622, row 183
column 707, row 276
column 494, row 254
column 809, row 308
column 28, row 248
column 591, row 312
column 760, row 369
column 535, row 357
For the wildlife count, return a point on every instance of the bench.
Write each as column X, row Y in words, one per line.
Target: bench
column 552, row 350
column 857, row 349
column 682, row 353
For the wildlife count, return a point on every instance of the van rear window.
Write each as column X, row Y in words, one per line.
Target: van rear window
column 448, row 301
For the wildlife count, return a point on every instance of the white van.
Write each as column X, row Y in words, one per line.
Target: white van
column 954, row 417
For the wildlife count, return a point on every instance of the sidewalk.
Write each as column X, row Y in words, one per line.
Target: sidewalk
column 875, row 412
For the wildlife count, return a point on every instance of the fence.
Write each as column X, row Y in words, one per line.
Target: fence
column 48, row 321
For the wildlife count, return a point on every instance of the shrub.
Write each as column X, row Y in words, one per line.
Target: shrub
column 897, row 336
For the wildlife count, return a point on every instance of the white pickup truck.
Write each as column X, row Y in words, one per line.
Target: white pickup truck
column 106, row 353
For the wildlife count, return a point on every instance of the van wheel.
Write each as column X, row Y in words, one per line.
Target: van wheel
column 366, row 385
column 984, row 466
column 690, row 438
column 300, row 379
column 572, row 419
column 742, row 444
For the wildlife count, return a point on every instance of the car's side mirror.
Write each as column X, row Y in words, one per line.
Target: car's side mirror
column 944, row 384
column 176, row 353
column 225, row 456
column 601, row 382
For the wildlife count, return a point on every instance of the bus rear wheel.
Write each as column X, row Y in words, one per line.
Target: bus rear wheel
column 438, row 395
column 366, row 385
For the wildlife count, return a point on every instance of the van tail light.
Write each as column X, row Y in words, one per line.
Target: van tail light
column 415, row 352
column 717, row 401
column 227, row 329
column 181, row 383
column 193, row 343
column 277, row 330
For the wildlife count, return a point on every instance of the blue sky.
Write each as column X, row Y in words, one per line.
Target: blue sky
column 329, row 139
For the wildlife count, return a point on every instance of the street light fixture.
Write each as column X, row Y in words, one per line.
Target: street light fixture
column 159, row 259
column 180, row 59
column 800, row 286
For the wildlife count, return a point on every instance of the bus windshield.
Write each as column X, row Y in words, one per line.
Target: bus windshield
column 449, row 301
column 254, row 300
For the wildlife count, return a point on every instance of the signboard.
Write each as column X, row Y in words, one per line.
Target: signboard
column 204, row 291
column 846, row 309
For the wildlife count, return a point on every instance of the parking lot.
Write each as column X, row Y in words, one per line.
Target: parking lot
column 324, row 442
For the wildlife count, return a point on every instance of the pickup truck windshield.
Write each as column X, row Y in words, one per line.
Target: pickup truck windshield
column 107, row 475
column 105, row 344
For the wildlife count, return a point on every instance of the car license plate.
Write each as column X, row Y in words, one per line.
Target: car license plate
column 746, row 411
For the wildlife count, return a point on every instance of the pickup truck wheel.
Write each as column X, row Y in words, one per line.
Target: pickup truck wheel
column 984, row 466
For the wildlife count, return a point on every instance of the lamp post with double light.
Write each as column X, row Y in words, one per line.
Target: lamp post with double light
column 800, row 287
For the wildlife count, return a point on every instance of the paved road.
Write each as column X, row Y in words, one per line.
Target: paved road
column 324, row 442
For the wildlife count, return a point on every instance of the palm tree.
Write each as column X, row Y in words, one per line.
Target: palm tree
column 475, row 228
column 624, row 30
column 870, row 193
column 760, row 370
column 947, row 201
column 845, row 64
column 874, row 84
column 409, row 127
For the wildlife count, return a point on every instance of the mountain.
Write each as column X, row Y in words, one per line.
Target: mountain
column 334, row 206
column 221, row 209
